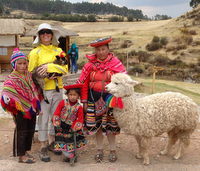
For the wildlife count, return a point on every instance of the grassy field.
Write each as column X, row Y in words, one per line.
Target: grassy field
column 139, row 33
column 189, row 89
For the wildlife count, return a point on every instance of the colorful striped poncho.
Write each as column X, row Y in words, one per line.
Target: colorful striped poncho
column 20, row 94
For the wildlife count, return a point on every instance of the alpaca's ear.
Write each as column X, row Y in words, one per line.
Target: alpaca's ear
column 133, row 82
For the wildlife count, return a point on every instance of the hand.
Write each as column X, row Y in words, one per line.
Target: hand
column 56, row 121
column 42, row 70
column 85, row 105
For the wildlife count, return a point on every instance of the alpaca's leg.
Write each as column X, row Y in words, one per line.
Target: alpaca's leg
column 184, row 141
column 139, row 154
column 145, row 143
column 172, row 138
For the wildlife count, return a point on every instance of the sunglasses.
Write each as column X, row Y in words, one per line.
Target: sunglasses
column 47, row 31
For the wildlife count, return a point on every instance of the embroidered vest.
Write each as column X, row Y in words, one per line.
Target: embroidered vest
column 69, row 113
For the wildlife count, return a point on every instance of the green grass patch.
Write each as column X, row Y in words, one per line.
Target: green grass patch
column 189, row 89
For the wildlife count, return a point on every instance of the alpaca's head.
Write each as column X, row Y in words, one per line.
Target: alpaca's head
column 121, row 85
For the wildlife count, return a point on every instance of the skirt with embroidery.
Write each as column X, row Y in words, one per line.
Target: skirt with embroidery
column 106, row 121
column 68, row 140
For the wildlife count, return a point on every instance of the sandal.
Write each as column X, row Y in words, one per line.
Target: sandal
column 26, row 160
column 99, row 156
column 29, row 156
column 112, row 156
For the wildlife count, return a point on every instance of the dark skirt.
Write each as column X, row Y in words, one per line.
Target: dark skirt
column 68, row 140
column 93, row 121
column 23, row 135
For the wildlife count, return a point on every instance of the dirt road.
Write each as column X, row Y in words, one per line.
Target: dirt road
column 126, row 150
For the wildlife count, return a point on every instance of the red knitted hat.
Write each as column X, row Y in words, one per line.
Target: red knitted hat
column 67, row 87
column 100, row 42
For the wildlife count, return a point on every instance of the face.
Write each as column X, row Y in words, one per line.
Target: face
column 73, row 96
column 21, row 66
column 45, row 36
column 102, row 52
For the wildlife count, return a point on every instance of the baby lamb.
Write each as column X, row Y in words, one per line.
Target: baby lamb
column 154, row 115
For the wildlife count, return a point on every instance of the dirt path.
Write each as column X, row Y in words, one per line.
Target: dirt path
column 126, row 148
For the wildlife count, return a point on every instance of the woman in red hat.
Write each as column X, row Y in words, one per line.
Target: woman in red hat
column 96, row 74
column 68, row 123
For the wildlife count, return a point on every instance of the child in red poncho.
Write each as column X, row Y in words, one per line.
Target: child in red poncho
column 20, row 98
column 68, row 122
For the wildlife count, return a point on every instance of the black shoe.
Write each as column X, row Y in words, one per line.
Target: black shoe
column 57, row 152
column 51, row 147
column 44, row 155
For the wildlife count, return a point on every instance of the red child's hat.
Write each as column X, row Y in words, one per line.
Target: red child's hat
column 100, row 42
column 67, row 87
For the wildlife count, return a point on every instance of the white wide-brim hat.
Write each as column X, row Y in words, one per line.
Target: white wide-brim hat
column 56, row 34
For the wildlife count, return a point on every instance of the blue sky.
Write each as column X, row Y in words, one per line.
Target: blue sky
column 173, row 8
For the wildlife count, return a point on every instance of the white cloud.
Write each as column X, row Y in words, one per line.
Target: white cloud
column 170, row 10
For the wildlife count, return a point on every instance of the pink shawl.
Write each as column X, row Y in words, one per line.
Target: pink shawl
column 111, row 63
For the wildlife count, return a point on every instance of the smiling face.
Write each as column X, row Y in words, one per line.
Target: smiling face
column 102, row 52
column 46, row 36
column 21, row 66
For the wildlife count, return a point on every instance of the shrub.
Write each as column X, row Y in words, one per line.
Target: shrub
column 153, row 46
column 176, row 61
column 116, row 19
column 193, row 32
column 126, row 44
column 187, row 39
column 91, row 18
column 160, row 60
column 143, row 56
column 136, row 68
column 164, row 41
column 130, row 18
column 155, row 39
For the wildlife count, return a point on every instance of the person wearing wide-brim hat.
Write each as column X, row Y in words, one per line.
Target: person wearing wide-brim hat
column 45, row 52
column 96, row 74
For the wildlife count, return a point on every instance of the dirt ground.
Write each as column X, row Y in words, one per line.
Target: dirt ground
column 126, row 149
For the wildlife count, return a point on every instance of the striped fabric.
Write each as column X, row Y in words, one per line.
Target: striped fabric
column 20, row 94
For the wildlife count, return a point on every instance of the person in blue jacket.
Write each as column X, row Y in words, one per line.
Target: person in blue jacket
column 73, row 55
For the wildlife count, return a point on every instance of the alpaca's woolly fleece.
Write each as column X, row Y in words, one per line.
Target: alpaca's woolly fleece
column 154, row 114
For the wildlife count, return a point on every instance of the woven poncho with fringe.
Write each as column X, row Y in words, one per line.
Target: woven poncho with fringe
column 20, row 94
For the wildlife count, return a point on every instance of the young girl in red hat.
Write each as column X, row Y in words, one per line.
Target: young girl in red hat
column 68, row 122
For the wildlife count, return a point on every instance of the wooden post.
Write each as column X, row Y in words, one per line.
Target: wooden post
column 0, row 68
column 127, row 61
column 155, row 70
column 153, row 82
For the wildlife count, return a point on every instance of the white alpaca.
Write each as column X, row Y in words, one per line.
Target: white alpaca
column 153, row 115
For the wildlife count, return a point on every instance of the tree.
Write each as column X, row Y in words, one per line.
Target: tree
column 194, row 3
column 130, row 18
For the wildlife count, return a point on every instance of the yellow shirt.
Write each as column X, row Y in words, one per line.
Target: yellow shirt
column 43, row 55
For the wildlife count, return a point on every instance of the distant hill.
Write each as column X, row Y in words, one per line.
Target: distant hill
column 63, row 7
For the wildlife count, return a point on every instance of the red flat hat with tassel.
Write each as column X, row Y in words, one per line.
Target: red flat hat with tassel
column 100, row 42
column 67, row 87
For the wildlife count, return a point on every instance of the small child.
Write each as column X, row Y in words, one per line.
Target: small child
column 20, row 98
column 68, row 123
